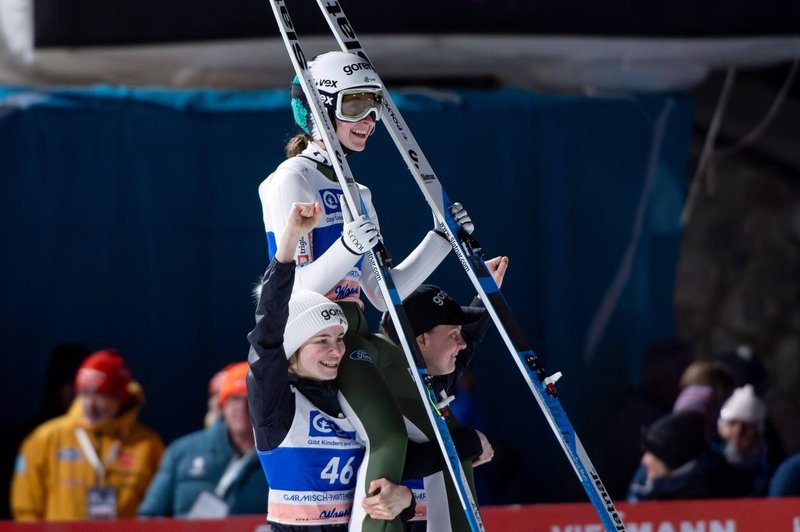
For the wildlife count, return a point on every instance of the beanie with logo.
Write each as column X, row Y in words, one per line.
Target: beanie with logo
column 309, row 313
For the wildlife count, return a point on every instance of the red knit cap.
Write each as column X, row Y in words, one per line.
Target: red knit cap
column 104, row 372
column 235, row 382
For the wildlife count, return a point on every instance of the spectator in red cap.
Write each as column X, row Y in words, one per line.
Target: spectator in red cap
column 102, row 383
column 95, row 461
column 214, row 472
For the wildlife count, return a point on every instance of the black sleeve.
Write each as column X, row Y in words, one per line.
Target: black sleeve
column 269, row 396
column 425, row 458
column 410, row 511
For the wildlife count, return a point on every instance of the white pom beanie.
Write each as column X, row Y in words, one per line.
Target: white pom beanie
column 309, row 313
column 744, row 405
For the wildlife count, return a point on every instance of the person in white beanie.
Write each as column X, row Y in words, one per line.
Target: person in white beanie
column 309, row 440
column 741, row 425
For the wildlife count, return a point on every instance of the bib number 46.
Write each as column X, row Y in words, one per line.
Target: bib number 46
column 333, row 474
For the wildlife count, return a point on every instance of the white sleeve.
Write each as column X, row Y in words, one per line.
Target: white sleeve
column 284, row 187
column 410, row 273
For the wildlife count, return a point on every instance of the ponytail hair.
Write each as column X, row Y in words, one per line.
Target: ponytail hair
column 297, row 144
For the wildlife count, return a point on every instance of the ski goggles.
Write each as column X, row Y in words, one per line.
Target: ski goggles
column 353, row 105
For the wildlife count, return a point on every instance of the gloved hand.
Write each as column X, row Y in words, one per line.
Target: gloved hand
column 360, row 235
column 462, row 218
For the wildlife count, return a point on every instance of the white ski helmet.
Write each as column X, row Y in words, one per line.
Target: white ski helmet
column 349, row 86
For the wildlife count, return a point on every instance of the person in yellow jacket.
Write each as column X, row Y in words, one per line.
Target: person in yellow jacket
column 94, row 462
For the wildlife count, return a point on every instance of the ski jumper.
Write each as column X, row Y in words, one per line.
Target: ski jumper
column 326, row 266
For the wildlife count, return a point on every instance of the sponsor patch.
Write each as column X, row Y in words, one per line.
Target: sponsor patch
column 198, row 468
column 330, row 199
column 360, row 355
column 321, row 427
column 68, row 454
column 126, row 459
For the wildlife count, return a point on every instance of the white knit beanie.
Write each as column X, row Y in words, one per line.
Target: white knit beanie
column 744, row 405
column 309, row 313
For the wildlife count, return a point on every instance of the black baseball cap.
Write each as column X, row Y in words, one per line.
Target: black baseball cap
column 429, row 306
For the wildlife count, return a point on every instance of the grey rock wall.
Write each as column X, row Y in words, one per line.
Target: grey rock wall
column 738, row 277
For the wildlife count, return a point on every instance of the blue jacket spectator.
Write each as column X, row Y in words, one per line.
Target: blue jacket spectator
column 786, row 479
column 213, row 472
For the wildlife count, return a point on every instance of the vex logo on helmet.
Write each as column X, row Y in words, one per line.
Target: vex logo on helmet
column 355, row 67
column 332, row 83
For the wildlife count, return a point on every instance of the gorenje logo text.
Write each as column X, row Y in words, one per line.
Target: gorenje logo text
column 355, row 67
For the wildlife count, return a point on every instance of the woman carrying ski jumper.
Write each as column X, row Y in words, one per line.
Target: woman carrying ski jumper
column 306, row 437
column 330, row 256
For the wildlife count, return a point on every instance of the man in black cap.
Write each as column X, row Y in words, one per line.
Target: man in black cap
column 447, row 335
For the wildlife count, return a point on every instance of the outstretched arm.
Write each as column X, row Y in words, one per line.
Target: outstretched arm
column 268, row 393
column 419, row 264
column 301, row 219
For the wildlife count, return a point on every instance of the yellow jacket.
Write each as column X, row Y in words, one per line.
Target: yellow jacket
column 52, row 474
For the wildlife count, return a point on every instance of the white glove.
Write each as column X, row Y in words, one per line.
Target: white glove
column 360, row 235
column 462, row 218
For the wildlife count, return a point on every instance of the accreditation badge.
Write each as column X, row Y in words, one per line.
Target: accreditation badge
column 101, row 502
column 208, row 506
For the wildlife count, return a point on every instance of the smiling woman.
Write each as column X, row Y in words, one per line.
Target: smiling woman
column 296, row 348
column 318, row 357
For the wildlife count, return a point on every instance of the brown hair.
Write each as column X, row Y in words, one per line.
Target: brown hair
column 709, row 373
column 297, row 144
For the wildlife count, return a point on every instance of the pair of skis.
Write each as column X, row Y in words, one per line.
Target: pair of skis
column 469, row 254
column 379, row 261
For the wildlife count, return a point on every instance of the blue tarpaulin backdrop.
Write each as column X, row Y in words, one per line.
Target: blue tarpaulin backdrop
column 130, row 218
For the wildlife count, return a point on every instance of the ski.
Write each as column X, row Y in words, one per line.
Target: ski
column 380, row 262
column 470, row 256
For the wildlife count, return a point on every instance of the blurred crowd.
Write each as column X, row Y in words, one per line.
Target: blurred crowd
column 714, row 439
column 88, row 456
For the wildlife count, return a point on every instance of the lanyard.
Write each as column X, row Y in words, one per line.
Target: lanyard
column 91, row 454
column 232, row 472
